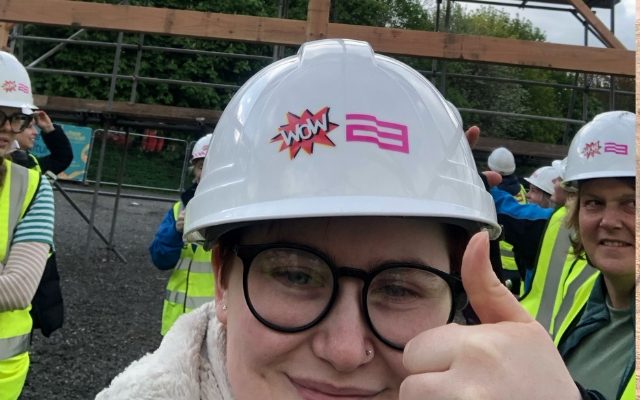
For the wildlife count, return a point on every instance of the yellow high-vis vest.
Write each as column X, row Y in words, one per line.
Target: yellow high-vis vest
column 191, row 283
column 556, row 268
column 580, row 286
column 16, row 193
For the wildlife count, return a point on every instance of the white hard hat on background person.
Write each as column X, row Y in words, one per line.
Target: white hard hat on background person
column 337, row 130
column 605, row 147
column 15, row 84
column 543, row 178
column 501, row 161
column 201, row 147
column 560, row 165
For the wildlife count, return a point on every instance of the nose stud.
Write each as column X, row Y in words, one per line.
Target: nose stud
column 369, row 353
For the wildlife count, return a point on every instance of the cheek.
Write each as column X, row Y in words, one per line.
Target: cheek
column 588, row 226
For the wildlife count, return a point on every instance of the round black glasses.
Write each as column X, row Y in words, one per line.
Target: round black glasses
column 18, row 121
column 290, row 288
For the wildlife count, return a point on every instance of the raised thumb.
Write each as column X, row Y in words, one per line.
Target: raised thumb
column 491, row 300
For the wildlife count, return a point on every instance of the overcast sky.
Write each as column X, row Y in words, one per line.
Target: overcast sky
column 563, row 27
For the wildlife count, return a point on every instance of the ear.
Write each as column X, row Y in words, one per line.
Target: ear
column 220, row 285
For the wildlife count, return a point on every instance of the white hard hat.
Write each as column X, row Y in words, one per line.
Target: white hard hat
column 201, row 147
column 560, row 165
column 501, row 161
column 543, row 178
column 456, row 113
column 603, row 148
column 15, row 85
column 337, row 130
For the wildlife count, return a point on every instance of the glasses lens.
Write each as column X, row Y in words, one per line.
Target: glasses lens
column 289, row 288
column 19, row 122
column 405, row 301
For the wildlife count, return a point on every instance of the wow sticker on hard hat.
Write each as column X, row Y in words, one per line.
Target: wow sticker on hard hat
column 302, row 132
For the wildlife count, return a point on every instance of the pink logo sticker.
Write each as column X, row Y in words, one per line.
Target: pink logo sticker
column 591, row 149
column 24, row 88
column 386, row 135
column 617, row 148
column 9, row 86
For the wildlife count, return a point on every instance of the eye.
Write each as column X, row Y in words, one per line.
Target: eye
column 629, row 205
column 297, row 276
column 591, row 204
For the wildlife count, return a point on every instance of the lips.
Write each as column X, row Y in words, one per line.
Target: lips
column 314, row 390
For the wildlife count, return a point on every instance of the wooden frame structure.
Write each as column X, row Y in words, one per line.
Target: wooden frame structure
column 614, row 60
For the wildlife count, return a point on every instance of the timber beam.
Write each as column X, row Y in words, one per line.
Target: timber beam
column 152, row 20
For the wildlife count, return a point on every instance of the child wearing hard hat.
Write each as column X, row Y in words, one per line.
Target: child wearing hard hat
column 191, row 283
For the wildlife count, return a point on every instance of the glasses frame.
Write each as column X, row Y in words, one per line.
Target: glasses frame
column 4, row 117
column 248, row 252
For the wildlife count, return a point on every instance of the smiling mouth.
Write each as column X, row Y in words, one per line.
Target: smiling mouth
column 311, row 390
column 614, row 243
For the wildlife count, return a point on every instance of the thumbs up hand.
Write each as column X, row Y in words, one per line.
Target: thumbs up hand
column 508, row 356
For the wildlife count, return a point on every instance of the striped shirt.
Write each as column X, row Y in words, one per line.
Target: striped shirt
column 37, row 224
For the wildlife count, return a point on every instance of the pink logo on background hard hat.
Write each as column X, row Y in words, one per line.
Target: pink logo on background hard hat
column 591, row 149
column 9, row 86
column 386, row 135
column 24, row 88
column 617, row 148
column 302, row 132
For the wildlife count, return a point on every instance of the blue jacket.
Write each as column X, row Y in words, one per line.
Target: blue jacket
column 523, row 227
column 167, row 243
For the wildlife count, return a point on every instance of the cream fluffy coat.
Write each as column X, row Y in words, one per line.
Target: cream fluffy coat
column 189, row 364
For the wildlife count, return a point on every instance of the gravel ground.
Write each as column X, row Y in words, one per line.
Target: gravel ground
column 112, row 309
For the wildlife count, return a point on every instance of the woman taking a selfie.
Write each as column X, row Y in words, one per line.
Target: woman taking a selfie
column 339, row 194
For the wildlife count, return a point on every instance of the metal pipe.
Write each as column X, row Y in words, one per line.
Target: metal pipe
column 112, row 90
column 526, row 82
column 136, row 70
column 522, row 116
column 128, row 46
column 54, row 180
column 55, row 49
column 116, row 203
column 134, row 78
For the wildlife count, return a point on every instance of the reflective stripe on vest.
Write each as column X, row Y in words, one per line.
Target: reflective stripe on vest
column 582, row 275
column 16, row 193
column 12, row 346
column 190, row 302
column 191, row 283
column 552, row 261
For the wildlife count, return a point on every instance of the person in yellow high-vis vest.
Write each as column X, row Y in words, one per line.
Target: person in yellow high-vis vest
column 595, row 326
column 47, row 306
column 26, row 230
column 191, row 283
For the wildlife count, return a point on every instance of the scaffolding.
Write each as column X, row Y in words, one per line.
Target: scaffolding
column 199, row 122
